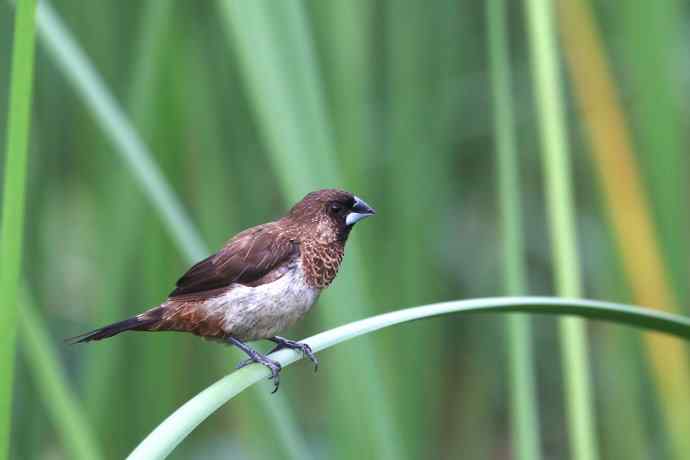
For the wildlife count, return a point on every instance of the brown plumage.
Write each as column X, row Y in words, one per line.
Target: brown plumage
column 263, row 280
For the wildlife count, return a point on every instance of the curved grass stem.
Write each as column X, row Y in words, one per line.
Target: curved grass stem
column 174, row 429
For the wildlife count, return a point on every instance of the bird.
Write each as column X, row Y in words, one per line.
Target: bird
column 262, row 281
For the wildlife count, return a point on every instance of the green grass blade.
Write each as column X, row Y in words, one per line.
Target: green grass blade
column 12, row 224
column 161, row 442
column 63, row 407
column 127, row 209
column 628, row 204
column 658, row 120
column 345, row 35
column 524, row 411
column 274, row 47
column 411, row 114
column 157, row 18
column 154, row 101
column 256, row 30
column 561, row 215
column 40, row 356
column 81, row 74
column 659, row 130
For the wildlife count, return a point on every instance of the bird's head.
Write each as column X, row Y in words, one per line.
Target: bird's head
column 330, row 214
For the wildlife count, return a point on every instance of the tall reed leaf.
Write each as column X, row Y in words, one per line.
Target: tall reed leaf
column 345, row 34
column 561, row 213
column 525, row 422
column 39, row 354
column 628, row 208
column 125, row 208
column 163, row 440
column 411, row 59
column 654, row 77
column 12, row 224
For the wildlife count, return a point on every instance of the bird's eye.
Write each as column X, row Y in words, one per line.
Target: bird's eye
column 336, row 207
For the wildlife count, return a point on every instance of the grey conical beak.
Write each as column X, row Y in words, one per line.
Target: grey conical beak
column 360, row 210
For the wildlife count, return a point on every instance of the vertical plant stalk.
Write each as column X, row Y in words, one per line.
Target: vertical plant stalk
column 628, row 208
column 409, row 124
column 524, row 411
column 76, row 435
column 128, row 209
column 13, row 198
column 555, row 154
column 346, row 34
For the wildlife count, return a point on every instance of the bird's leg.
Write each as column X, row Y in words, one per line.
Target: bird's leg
column 290, row 344
column 256, row 357
column 294, row 345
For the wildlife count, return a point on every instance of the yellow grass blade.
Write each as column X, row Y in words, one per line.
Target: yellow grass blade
column 628, row 208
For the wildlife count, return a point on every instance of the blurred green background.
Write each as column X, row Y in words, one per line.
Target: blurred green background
column 245, row 107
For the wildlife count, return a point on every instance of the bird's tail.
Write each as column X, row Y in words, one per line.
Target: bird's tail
column 142, row 322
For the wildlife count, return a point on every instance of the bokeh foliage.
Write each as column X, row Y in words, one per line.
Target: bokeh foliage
column 245, row 106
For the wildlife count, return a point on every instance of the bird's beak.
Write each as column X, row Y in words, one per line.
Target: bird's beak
column 360, row 210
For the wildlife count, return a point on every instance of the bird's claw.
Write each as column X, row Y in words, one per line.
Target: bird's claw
column 273, row 366
column 307, row 351
column 299, row 346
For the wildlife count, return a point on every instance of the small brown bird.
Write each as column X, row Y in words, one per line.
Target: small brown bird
column 262, row 281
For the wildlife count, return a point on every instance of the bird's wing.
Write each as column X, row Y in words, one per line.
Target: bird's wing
column 251, row 258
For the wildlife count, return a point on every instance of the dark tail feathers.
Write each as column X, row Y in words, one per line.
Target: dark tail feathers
column 135, row 323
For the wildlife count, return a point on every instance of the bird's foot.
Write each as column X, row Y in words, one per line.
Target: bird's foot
column 294, row 345
column 273, row 366
column 256, row 357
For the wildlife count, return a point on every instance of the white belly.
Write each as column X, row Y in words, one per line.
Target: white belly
column 252, row 313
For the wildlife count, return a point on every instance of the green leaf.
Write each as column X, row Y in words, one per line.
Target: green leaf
column 161, row 442
column 561, row 213
column 13, row 201
column 524, row 410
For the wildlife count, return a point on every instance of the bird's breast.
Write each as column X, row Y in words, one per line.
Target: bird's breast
column 321, row 262
column 252, row 313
